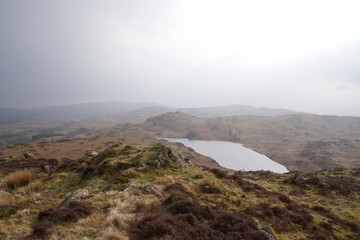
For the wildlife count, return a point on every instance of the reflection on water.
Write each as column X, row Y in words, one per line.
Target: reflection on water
column 232, row 155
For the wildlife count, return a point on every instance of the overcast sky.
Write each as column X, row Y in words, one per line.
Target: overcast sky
column 300, row 55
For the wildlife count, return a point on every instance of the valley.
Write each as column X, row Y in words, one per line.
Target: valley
column 301, row 142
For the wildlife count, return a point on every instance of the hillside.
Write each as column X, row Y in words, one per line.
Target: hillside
column 53, row 116
column 300, row 142
column 154, row 191
column 18, row 126
column 23, row 126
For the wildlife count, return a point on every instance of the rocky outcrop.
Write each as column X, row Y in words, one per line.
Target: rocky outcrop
column 168, row 155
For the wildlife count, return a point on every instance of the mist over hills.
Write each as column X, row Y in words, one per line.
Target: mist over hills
column 120, row 107
column 75, row 111
column 235, row 110
column 101, row 114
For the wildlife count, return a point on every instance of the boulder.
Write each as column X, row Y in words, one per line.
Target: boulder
column 299, row 180
column 147, row 189
column 6, row 159
column 91, row 153
column 46, row 168
column 268, row 231
column 74, row 196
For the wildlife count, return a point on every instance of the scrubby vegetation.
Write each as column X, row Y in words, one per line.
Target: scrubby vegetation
column 47, row 219
column 19, row 178
column 153, row 192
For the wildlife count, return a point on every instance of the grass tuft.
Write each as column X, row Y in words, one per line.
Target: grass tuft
column 6, row 201
column 19, row 178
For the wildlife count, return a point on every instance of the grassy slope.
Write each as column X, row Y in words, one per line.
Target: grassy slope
column 133, row 198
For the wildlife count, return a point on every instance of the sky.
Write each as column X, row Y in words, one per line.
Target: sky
column 299, row 55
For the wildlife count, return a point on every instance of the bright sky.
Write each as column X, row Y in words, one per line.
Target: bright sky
column 300, row 55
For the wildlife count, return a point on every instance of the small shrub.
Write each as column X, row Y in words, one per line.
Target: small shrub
column 353, row 226
column 219, row 173
column 175, row 187
column 19, row 178
column 70, row 165
column 320, row 209
column 190, row 220
column 283, row 198
column 209, row 188
column 282, row 217
column 88, row 171
column 36, row 186
column 313, row 180
column 47, row 219
column 326, row 226
column 42, row 230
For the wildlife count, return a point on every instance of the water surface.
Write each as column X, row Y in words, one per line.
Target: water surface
column 232, row 155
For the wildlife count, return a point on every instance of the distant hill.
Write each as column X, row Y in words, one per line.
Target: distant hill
column 141, row 114
column 96, row 108
column 69, row 113
column 136, row 116
column 8, row 115
column 235, row 110
column 107, row 114
column 303, row 142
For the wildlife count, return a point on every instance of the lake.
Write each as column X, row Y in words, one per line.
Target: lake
column 232, row 155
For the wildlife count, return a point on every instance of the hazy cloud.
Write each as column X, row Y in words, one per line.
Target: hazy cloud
column 282, row 54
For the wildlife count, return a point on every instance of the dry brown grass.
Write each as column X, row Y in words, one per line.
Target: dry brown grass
column 113, row 234
column 19, row 178
column 36, row 186
column 124, row 209
column 6, row 201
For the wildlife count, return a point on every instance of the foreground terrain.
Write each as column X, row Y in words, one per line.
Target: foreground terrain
column 155, row 191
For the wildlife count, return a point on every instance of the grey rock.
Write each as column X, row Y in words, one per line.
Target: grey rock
column 143, row 167
column 46, row 169
column 152, row 190
column 6, row 159
column 149, row 189
column 265, row 229
column 169, row 154
column 74, row 196
column 91, row 153
column 28, row 155
column 132, row 185
column 299, row 180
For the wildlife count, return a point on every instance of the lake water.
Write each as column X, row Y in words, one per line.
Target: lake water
column 232, row 155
